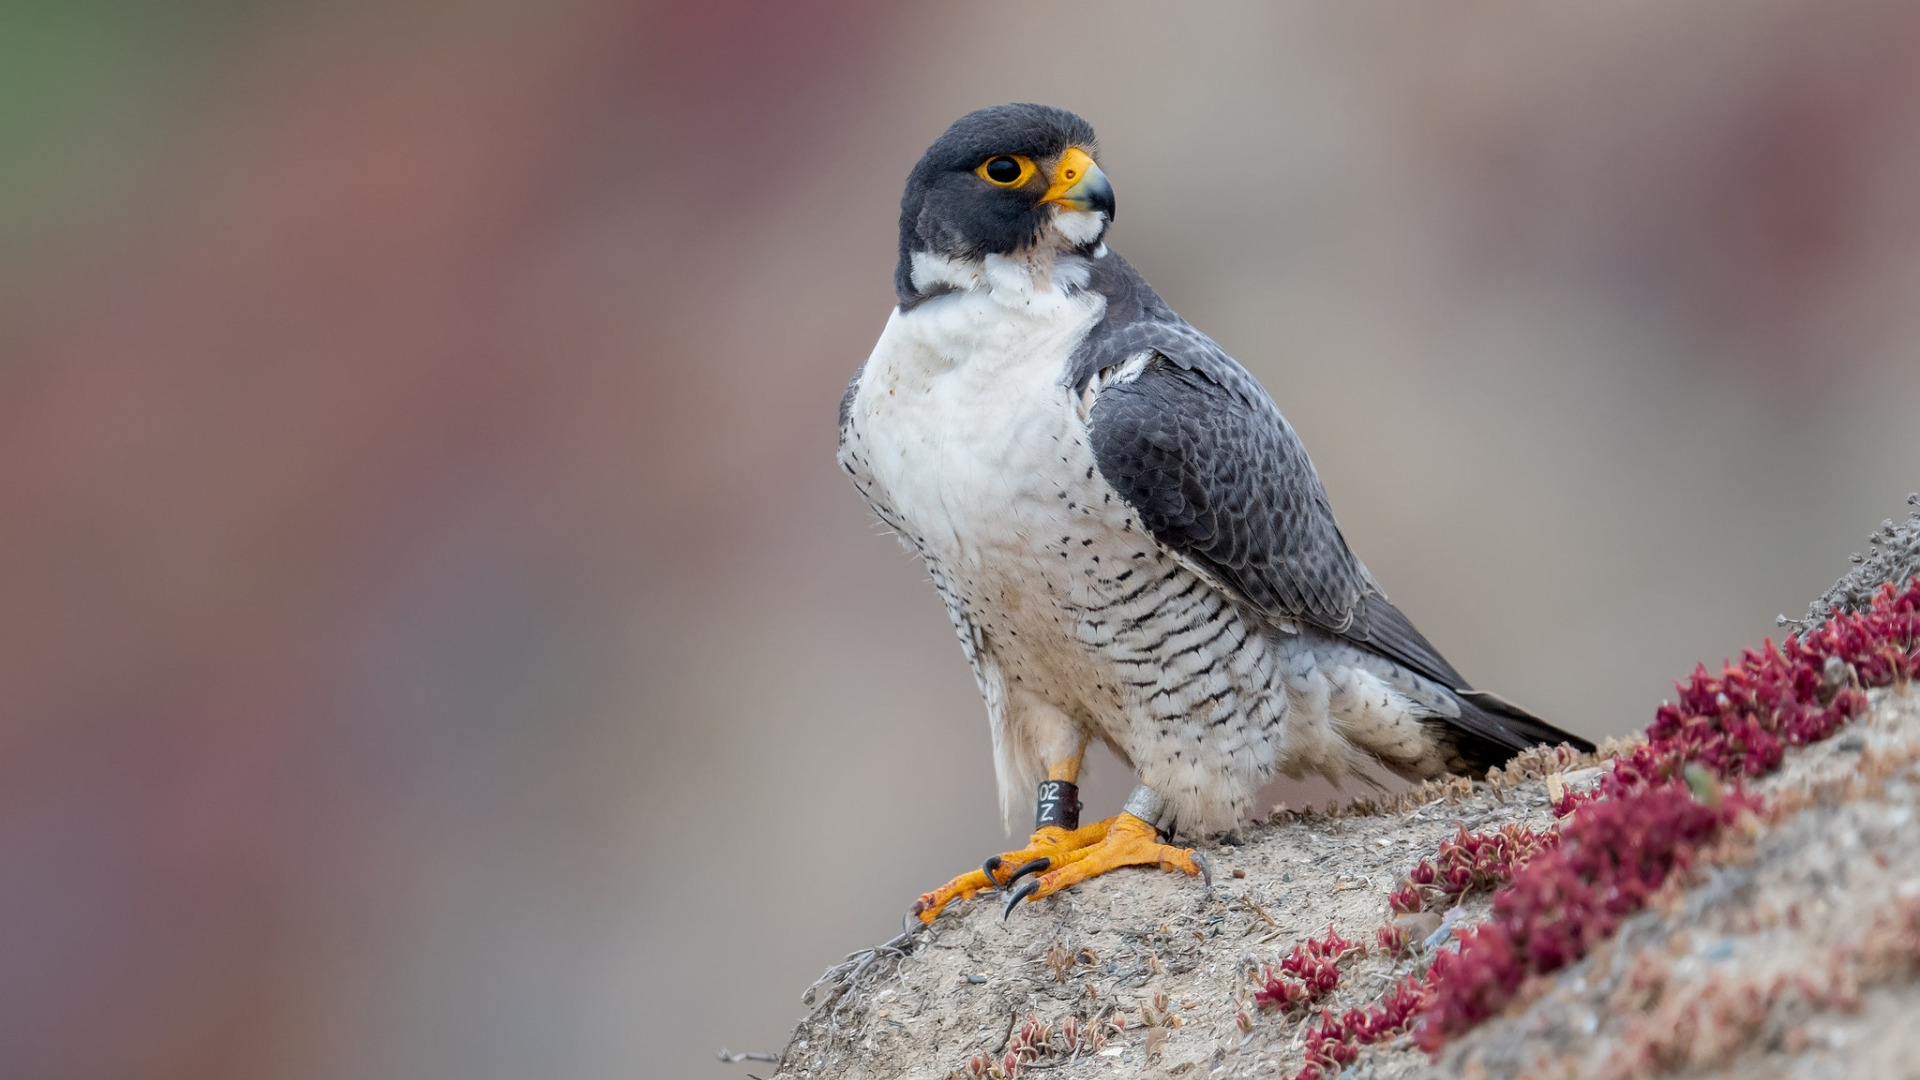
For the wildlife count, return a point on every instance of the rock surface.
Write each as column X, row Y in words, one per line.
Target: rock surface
column 1793, row 950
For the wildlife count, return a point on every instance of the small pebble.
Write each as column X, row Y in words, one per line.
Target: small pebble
column 1239, row 873
column 1419, row 925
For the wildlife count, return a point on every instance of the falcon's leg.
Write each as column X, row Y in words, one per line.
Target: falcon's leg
column 1131, row 840
column 1057, row 833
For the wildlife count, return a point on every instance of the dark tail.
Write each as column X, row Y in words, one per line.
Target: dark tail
column 1491, row 730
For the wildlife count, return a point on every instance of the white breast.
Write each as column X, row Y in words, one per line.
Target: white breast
column 960, row 409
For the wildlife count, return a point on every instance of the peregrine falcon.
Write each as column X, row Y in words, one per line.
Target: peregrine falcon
column 1130, row 539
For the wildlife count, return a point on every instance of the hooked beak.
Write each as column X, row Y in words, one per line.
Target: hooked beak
column 1078, row 184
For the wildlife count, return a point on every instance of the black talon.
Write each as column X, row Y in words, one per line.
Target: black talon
column 988, row 867
column 1027, row 888
column 1206, row 868
column 1031, row 866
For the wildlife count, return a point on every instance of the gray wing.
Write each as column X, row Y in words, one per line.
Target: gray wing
column 1217, row 475
column 1200, row 451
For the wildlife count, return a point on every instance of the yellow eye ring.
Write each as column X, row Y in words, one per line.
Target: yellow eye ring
column 998, row 170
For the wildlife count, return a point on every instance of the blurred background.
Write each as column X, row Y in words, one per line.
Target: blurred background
column 435, row 640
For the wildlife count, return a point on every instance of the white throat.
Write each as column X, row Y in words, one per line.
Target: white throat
column 1011, row 278
column 1050, row 265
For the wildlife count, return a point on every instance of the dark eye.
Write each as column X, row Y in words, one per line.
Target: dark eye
column 1006, row 170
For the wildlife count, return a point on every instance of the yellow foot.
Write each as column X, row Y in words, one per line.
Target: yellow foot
column 1049, row 846
column 1129, row 841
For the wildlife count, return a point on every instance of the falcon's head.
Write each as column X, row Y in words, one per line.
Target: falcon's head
column 1002, row 181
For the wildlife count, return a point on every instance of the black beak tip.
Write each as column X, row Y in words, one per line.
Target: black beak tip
column 1101, row 198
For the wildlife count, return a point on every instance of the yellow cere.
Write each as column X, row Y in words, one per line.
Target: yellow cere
column 1071, row 169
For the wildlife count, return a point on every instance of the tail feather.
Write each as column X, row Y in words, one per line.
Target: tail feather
column 1492, row 729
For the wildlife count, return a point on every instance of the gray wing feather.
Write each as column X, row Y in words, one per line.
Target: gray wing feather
column 1495, row 726
column 1218, row 475
column 1200, row 451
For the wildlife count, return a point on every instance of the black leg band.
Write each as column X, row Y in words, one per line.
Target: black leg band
column 1059, row 805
